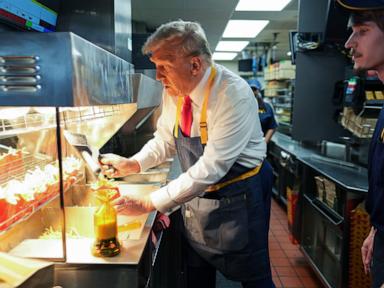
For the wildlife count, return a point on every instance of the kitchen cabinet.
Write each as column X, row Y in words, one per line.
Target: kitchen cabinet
column 331, row 191
column 285, row 171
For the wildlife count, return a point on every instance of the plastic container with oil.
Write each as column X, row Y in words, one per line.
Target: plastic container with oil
column 105, row 225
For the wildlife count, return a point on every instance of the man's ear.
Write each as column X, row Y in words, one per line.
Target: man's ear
column 196, row 65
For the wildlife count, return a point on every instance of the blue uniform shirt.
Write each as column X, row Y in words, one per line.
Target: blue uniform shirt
column 375, row 198
column 267, row 118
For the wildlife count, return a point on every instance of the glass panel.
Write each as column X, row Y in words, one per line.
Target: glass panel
column 31, row 218
column 85, row 130
column 97, row 123
column 323, row 243
column 333, row 241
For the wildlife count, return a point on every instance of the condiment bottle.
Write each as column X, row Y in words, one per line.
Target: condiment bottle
column 105, row 224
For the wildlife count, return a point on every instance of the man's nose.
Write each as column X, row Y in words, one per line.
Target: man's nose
column 350, row 43
column 159, row 75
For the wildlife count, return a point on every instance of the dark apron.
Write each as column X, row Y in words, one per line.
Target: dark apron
column 229, row 227
column 375, row 199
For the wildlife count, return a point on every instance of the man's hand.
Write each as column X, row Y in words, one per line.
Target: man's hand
column 367, row 251
column 133, row 206
column 116, row 166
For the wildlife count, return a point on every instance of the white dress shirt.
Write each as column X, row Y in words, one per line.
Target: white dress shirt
column 234, row 135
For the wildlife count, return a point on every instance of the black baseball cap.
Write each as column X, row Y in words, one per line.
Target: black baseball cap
column 361, row 5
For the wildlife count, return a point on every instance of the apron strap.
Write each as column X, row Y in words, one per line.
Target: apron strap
column 382, row 135
column 178, row 111
column 203, row 114
column 250, row 173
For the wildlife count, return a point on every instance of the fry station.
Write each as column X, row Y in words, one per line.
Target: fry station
column 52, row 195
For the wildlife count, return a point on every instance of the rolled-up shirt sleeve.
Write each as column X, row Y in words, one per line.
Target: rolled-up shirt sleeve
column 162, row 145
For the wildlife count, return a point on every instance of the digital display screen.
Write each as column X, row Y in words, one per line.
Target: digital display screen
column 245, row 65
column 37, row 15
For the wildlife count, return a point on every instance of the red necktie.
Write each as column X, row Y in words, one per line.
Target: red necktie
column 186, row 116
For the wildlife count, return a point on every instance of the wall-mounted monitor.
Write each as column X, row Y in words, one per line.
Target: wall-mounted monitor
column 35, row 15
column 245, row 65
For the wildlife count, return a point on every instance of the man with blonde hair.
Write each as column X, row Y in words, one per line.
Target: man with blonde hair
column 208, row 119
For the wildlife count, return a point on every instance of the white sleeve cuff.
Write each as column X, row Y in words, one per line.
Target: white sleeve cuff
column 162, row 200
column 144, row 161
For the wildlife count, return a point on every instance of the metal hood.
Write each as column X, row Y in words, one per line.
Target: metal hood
column 60, row 69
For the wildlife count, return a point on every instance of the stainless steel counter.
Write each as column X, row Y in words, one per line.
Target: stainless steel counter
column 291, row 146
column 131, row 269
column 351, row 177
column 346, row 174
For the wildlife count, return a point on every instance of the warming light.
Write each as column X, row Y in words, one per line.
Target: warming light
column 244, row 28
column 223, row 55
column 271, row 5
column 235, row 46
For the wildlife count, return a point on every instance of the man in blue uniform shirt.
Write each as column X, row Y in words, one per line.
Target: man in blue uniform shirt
column 225, row 189
column 367, row 48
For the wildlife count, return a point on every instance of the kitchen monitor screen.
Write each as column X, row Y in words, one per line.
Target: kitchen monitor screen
column 245, row 65
column 36, row 15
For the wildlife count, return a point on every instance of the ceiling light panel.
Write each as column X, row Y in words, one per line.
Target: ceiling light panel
column 236, row 46
column 224, row 55
column 254, row 5
column 244, row 28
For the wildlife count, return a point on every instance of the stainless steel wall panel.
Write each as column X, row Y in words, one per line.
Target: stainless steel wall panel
column 123, row 29
column 146, row 91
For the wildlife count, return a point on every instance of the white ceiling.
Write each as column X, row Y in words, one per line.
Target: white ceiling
column 213, row 15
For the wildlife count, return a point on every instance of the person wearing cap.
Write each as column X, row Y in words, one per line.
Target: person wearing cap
column 266, row 114
column 367, row 49
column 226, row 184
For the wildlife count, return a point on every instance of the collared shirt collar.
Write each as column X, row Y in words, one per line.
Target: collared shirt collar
column 197, row 94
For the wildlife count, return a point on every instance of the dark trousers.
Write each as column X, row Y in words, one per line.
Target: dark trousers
column 377, row 269
column 200, row 274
